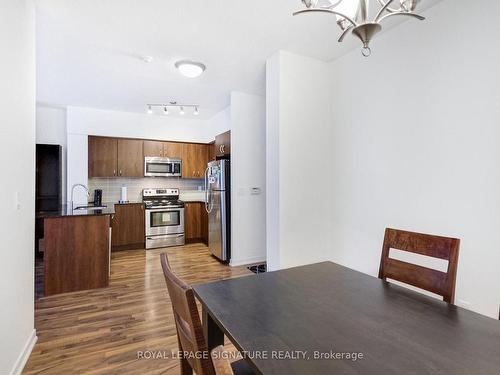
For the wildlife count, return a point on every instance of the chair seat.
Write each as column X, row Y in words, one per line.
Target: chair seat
column 242, row 367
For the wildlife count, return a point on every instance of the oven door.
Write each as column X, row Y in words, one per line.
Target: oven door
column 160, row 221
column 158, row 167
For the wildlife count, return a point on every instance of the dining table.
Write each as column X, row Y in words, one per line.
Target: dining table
column 325, row 318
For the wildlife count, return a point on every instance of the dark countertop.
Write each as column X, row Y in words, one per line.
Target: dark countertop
column 66, row 210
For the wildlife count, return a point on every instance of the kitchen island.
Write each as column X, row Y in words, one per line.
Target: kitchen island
column 77, row 248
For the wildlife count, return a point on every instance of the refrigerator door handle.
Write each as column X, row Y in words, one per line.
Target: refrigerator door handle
column 207, row 194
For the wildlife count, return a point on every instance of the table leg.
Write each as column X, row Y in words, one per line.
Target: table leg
column 212, row 332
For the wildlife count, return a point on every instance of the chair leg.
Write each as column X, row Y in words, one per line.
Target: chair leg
column 186, row 367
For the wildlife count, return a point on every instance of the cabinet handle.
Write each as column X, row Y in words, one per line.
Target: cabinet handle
column 120, row 172
column 114, row 172
column 221, row 149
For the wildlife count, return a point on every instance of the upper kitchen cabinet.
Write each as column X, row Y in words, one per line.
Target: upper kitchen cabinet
column 111, row 157
column 223, row 144
column 103, row 157
column 163, row 149
column 194, row 160
column 153, row 148
column 130, row 158
column 172, row 150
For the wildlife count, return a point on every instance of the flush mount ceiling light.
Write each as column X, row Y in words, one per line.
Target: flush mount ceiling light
column 189, row 68
column 166, row 106
column 352, row 16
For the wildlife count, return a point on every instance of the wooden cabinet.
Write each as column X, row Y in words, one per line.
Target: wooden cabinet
column 212, row 155
column 173, row 150
column 195, row 222
column 103, row 157
column 163, row 149
column 112, row 157
column 153, row 148
column 76, row 253
column 128, row 227
column 194, row 160
column 130, row 158
column 117, row 157
column 223, row 144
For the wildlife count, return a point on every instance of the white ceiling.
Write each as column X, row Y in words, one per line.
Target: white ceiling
column 88, row 51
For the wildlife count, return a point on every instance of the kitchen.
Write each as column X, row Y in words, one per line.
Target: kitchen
column 156, row 194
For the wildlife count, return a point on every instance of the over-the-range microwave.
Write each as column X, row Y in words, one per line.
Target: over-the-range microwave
column 162, row 167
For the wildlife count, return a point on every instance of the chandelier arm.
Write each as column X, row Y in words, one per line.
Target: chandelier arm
column 414, row 15
column 346, row 31
column 327, row 11
column 382, row 10
column 390, row 10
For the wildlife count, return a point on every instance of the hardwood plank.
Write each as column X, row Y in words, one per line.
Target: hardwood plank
column 100, row 331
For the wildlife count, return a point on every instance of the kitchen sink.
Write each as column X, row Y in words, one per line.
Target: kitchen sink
column 90, row 208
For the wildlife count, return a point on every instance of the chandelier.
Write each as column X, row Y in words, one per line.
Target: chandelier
column 353, row 16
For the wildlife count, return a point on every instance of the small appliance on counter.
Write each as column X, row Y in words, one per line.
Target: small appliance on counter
column 123, row 195
column 164, row 218
column 97, row 197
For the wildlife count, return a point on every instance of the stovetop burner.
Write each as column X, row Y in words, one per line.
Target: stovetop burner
column 161, row 198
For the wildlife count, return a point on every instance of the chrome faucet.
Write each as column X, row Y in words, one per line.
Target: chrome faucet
column 73, row 192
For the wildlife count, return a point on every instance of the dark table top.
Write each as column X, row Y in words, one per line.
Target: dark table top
column 66, row 210
column 326, row 307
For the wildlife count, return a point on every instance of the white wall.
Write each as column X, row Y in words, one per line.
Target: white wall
column 220, row 123
column 412, row 143
column 17, row 167
column 51, row 129
column 298, row 167
column 248, row 170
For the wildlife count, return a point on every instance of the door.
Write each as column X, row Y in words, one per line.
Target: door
column 130, row 158
column 128, row 226
column 153, row 148
column 103, row 156
column 194, row 160
column 172, row 150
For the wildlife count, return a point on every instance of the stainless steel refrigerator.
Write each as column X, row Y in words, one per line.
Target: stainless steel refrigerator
column 217, row 204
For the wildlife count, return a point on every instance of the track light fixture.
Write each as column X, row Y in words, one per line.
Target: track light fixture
column 167, row 106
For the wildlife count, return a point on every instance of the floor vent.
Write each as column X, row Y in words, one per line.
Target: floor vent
column 258, row 268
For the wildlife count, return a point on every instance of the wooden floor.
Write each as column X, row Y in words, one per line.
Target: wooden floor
column 101, row 331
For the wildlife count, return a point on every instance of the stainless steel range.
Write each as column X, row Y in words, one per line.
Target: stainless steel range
column 164, row 218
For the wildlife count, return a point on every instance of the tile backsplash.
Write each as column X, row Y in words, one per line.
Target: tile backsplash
column 111, row 187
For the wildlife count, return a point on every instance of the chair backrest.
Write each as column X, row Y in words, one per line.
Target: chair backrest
column 441, row 283
column 187, row 321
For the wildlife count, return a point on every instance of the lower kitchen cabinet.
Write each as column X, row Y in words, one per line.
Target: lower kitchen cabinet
column 195, row 222
column 128, row 227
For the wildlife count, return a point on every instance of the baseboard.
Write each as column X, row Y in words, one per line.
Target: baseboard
column 25, row 354
column 247, row 261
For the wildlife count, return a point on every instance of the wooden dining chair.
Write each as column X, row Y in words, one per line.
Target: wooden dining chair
column 440, row 283
column 189, row 329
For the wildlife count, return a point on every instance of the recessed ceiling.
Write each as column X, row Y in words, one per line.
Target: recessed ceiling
column 91, row 53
